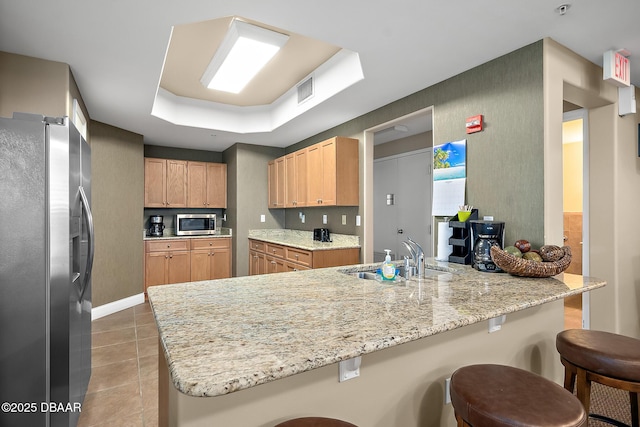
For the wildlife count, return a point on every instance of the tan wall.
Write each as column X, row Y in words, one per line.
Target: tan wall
column 117, row 185
column 614, row 178
column 399, row 386
column 505, row 179
column 248, row 197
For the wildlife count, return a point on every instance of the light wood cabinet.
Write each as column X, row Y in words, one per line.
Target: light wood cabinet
column 165, row 183
column 296, row 179
column 186, row 260
column 324, row 174
column 167, row 261
column 276, row 177
column 210, row 259
column 265, row 257
column 207, row 185
column 332, row 173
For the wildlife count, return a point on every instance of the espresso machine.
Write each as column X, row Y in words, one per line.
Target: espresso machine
column 156, row 225
column 485, row 234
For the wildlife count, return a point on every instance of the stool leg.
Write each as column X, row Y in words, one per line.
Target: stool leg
column 635, row 411
column 569, row 376
column 584, row 389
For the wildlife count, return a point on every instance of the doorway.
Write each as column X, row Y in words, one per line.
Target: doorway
column 402, row 203
column 575, row 209
column 398, row 154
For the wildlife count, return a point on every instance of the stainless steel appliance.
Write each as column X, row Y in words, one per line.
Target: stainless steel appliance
column 321, row 234
column 46, row 257
column 195, row 224
column 485, row 234
column 156, row 225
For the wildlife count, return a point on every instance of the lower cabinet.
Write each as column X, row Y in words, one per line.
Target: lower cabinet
column 166, row 261
column 265, row 257
column 210, row 259
column 186, row 260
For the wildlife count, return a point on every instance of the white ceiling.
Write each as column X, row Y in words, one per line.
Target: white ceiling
column 116, row 48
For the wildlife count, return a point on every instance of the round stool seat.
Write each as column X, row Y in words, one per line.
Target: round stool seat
column 496, row 395
column 315, row 422
column 607, row 354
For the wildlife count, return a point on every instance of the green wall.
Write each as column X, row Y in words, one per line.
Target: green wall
column 505, row 161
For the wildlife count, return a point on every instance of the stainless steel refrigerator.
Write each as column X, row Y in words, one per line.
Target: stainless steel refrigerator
column 46, row 256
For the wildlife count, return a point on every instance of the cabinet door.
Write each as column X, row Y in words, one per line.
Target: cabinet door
column 176, row 183
column 314, row 175
column 301, row 177
column 256, row 263
column 274, row 265
column 328, row 154
column 216, row 185
column 291, row 184
column 155, row 184
column 220, row 263
column 273, row 184
column 197, row 184
column 200, row 265
column 179, row 267
column 155, row 268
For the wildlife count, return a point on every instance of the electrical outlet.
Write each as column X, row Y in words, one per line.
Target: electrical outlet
column 357, row 220
column 447, row 391
column 263, row 218
column 344, row 220
column 324, row 219
column 349, row 369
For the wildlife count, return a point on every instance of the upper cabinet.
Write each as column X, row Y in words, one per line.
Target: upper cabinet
column 324, row 174
column 276, row 177
column 180, row 184
column 165, row 183
column 207, row 185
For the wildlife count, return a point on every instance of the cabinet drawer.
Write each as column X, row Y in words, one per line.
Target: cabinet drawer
column 275, row 250
column 167, row 245
column 300, row 256
column 209, row 243
column 256, row 245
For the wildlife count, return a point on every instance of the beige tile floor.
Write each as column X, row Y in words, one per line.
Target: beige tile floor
column 123, row 391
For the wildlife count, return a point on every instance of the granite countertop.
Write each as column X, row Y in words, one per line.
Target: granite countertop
column 304, row 239
column 226, row 335
column 169, row 233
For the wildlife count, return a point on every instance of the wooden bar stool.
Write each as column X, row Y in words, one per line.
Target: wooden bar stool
column 503, row 396
column 603, row 357
column 315, row 422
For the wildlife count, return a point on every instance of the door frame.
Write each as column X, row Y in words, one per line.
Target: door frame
column 583, row 114
column 367, row 179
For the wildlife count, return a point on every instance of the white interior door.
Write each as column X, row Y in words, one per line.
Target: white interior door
column 402, row 203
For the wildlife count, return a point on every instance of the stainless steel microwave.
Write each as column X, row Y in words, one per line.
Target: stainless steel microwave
column 195, row 224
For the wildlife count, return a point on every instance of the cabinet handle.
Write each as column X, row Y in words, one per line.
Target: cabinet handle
column 296, row 256
column 210, row 243
column 169, row 245
column 273, row 262
column 166, row 257
column 170, row 256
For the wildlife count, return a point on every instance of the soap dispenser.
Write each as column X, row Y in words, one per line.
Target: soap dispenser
column 388, row 269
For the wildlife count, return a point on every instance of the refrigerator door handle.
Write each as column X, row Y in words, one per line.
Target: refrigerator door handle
column 86, row 211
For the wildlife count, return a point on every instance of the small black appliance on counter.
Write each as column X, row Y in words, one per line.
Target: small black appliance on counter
column 156, row 225
column 485, row 234
column 321, row 234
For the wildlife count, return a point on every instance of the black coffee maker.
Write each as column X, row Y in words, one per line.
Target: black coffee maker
column 485, row 234
column 156, row 226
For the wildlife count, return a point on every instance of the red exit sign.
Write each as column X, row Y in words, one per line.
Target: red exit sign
column 616, row 68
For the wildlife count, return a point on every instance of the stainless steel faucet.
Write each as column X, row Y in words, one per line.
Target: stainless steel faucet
column 417, row 255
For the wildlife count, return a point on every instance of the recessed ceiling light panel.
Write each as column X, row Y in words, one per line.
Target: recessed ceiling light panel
column 245, row 50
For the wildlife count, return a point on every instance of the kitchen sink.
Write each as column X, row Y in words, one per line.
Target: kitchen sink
column 373, row 275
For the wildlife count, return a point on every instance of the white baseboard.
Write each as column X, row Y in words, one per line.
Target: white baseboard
column 116, row 306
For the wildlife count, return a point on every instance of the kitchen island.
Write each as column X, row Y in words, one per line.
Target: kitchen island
column 253, row 351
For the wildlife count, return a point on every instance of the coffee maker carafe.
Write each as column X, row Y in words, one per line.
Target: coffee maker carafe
column 156, row 225
column 485, row 234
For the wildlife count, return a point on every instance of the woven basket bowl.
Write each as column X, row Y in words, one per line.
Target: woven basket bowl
column 528, row 268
